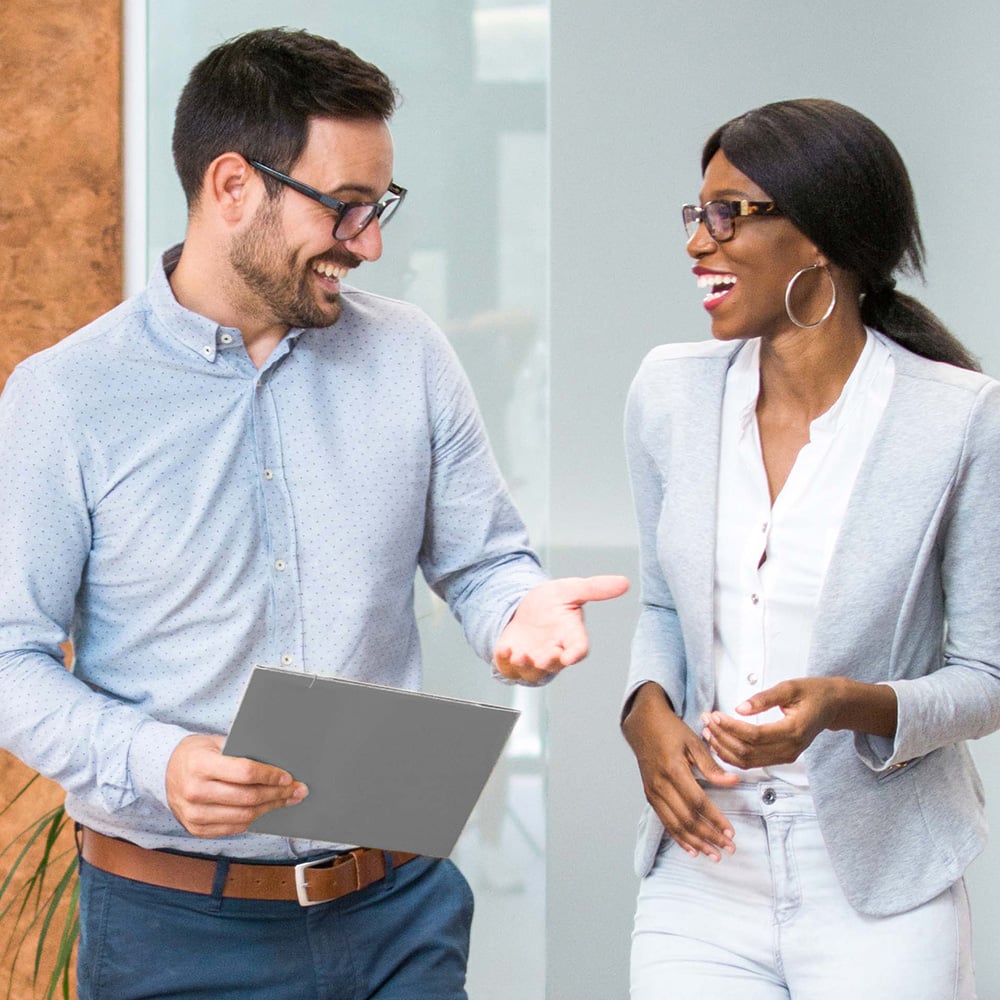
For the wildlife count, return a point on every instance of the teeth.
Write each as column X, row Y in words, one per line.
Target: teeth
column 713, row 280
column 331, row 271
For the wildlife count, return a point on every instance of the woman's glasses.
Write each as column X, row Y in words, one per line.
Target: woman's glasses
column 719, row 216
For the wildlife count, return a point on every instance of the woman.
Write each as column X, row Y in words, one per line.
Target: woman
column 816, row 490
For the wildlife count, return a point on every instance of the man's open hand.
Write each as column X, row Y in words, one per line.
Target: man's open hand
column 547, row 631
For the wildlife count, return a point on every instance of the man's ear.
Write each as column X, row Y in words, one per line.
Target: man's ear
column 231, row 188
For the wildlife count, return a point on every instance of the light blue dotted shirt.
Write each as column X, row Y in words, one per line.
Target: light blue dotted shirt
column 182, row 515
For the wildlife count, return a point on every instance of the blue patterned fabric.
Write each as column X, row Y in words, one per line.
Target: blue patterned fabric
column 182, row 515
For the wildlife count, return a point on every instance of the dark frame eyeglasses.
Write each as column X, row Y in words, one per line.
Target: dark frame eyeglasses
column 718, row 216
column 353, row 217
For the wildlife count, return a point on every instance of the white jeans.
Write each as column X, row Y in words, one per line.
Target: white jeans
column 771, row 921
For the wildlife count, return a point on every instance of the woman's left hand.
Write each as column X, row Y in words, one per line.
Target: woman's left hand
column 809, row 705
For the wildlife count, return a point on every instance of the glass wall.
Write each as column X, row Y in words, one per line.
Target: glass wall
column 471, row 248
column 492, row 143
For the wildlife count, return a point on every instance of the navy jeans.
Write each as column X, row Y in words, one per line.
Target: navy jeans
column 404, row 938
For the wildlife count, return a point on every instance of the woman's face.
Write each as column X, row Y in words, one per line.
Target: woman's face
column 746, row 276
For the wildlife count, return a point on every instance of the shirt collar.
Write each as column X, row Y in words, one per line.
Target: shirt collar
column 202, row 335
column 743, row 381
column 870, row 362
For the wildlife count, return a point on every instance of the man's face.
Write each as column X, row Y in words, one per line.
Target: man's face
column 286, row 258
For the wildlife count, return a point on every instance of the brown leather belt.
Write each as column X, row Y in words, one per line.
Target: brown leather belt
column 308, row 883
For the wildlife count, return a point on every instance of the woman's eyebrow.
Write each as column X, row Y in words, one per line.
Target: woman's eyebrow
column 728, row 193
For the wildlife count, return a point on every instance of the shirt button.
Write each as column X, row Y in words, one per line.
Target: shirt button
column 763, row 527
column 226, row 338
column 287, row 660
column 754, row 599
column 279, row 564
column 769, row 797
column 751, row 678
column 207, row 350
column 268, row 474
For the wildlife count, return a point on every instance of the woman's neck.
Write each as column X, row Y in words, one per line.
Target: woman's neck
column 803, row 372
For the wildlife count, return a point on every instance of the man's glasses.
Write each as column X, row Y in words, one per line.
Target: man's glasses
column 719, row 216
column 352, row 216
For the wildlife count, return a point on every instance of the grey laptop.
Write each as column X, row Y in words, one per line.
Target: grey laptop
column 386, row 768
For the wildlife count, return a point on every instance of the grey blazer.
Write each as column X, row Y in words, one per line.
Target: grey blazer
column 919, row 549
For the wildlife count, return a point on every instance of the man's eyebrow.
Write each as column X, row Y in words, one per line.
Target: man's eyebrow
column 366, row 193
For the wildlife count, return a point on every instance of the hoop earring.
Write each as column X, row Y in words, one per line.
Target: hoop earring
column 788, row 297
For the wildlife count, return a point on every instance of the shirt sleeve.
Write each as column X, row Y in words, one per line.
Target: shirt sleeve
column 961, row 699
column 475, row 553
column 101, row 750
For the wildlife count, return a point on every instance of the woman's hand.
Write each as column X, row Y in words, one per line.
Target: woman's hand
column 669, row 753
column 809, row 705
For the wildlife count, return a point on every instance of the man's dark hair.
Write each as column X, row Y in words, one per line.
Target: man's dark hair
column 256, row 94
column 840, row 180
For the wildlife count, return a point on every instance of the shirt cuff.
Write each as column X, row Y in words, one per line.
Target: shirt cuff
column 882, row 753
column 152, row 745
column 879, row 753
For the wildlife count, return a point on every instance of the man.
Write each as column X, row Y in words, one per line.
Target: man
column 246, row 463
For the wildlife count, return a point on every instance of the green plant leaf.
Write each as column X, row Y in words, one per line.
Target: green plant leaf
column 53, row 905
column 28, row 785
column 36, row 902
column 64, row 957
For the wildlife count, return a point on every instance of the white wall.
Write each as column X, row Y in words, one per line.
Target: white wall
column 635, row 90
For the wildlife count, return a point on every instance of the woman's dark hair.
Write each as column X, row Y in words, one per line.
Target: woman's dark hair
column 256, row 93
column 840, row 180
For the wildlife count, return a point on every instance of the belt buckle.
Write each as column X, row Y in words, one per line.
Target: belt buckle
column 302, row 883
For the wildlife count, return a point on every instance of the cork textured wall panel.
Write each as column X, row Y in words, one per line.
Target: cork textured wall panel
column 60, row 253
column 60, row 170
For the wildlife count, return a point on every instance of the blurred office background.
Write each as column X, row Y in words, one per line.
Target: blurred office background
column 547, row 146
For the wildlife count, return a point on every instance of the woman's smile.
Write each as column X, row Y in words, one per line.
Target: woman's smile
column 719, row 285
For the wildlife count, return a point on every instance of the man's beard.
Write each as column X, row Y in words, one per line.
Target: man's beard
column 275, row 281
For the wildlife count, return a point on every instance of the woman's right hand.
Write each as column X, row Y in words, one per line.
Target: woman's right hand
column 668, row 753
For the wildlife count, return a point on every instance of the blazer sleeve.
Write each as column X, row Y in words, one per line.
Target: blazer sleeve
column 657, row 647
column 961, row 699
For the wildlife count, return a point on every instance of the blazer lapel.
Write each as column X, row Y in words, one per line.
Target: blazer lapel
column 690, row 508
column 885, row 526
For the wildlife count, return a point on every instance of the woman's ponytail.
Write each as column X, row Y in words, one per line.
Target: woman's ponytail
column 840, row 180
column 911, row 324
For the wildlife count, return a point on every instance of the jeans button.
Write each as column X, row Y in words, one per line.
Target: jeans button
column 769, row 796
